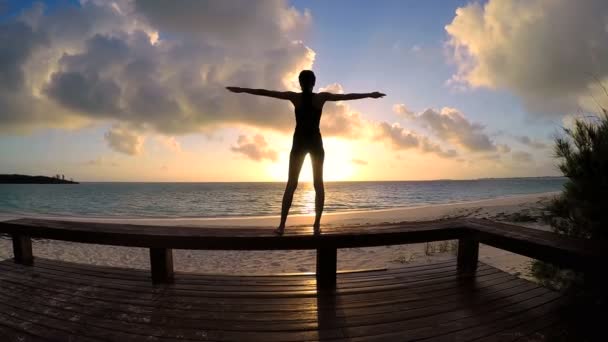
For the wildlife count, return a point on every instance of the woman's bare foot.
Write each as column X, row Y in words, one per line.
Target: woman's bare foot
column 279, row 230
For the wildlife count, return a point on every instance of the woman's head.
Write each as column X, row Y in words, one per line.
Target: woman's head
column 307, row 80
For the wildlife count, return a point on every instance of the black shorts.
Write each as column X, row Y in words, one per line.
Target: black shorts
column 310, row 143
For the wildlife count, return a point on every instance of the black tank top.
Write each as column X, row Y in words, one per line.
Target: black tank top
column 307, row 117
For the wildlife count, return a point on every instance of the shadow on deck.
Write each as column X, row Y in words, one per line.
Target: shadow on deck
column 63, row 301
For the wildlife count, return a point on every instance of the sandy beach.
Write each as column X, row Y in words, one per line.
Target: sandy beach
column 524, row 210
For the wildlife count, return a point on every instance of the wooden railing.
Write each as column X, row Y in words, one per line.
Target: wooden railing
column 161, row 240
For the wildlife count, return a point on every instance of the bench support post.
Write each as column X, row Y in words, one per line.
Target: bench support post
column 327, row 259
column 161, row 265
column 22, row 250
column 468, row 254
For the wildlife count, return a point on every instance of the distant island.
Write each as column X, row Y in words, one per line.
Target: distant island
column 25, row 179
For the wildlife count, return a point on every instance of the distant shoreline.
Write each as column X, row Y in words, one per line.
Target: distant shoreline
column 25, row 179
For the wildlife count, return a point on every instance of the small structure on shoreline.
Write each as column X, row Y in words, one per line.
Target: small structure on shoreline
column 25, row 179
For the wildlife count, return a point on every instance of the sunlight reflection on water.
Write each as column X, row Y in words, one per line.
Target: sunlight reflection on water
column 308, row 200
column 248, row 199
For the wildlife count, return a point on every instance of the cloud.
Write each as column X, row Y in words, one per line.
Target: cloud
column 225, row 20
column 534, row 143
column 339, row 119
column 403, row 110
column 401, row 139
column 255, row 149
column 452, row 126
column 359, row 162
column 398, row 136
column 430, row 147
column 522, row 157
column 124, row 141
column 161, row 67
column 544, row 51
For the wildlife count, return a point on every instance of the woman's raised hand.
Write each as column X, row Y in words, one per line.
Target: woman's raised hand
column 377, row 95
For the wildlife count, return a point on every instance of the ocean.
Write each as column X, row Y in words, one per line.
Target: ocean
column 185, row 200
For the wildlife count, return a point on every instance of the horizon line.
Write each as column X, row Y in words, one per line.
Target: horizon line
column 334, row 181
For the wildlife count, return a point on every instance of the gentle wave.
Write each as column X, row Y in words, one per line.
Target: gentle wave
column 211, row 200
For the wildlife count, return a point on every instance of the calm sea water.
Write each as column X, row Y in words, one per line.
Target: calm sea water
column 173, row 200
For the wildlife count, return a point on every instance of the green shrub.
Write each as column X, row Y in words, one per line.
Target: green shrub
column 581, row 210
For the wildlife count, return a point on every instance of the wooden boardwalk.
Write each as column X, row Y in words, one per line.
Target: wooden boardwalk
column 60, row 301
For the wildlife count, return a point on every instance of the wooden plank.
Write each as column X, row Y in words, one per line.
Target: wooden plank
column 185, row 277
column 233, row 239
column 32, row 324
column 237, row 318
column 161, row 265
column 541, row 245
column 12, row 333
column 405, row 296
column 430, row 326
column 250, row 290
column 556, row 332
column 498, row 322
column 22, row 249
column 177, row 298
column 570, row 252
column 410, row 282
column 174, row 301
column 164, row 320
column 527, row 328
column 429, row 304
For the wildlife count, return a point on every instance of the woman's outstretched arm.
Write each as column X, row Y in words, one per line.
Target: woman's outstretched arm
column 283, row 95
column 351, row 96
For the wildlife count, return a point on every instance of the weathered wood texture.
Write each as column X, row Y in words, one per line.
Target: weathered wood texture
column 62, row 301
column 235, row 238
column 534, row 243
column 22, row 249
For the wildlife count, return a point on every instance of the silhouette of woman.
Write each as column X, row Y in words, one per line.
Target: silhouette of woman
column 306, row 138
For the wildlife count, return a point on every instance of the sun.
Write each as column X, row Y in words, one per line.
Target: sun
column 338, row 164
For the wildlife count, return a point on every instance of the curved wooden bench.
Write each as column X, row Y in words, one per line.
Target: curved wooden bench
column 161, row 240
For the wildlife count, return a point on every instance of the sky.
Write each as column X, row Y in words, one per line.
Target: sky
column 133, row 90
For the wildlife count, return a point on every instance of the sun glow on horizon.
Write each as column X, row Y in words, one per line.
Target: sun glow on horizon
column 337, row 167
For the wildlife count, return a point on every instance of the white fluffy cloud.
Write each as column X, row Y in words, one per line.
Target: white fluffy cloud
column 545, row 51
column 401, row 139
column 255, row 148
column 153, row 66
column 402, row 109
column 339, row 119
column 452, row 126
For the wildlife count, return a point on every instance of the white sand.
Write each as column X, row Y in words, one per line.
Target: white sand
column 263, row 262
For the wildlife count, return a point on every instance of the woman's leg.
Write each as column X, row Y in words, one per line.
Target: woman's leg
column 296, row 159
column 317, row 174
